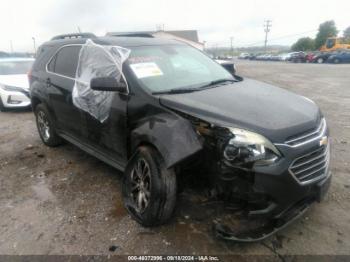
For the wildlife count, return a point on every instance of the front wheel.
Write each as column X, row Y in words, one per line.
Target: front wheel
column 149, row 188
column 2, row 107
column 319, row 60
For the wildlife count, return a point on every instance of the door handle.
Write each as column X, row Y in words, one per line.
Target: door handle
column 48, row 82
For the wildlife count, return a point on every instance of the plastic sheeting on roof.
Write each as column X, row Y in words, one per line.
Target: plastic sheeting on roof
column 97, row 61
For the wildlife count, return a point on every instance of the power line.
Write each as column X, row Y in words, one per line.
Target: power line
column 261, row 42
column 267, row 25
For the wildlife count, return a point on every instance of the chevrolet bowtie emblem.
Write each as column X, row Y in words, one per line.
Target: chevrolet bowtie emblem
column 324, row 141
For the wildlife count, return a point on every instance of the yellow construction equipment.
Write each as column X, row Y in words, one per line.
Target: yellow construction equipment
column 335, row 43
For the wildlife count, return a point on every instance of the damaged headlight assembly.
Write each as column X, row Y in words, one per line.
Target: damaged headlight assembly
column 248, row 148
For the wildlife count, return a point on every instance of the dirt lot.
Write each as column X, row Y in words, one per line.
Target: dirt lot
column 61, row 200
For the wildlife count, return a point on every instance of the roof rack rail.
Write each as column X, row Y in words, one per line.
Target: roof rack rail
column 70, row 36
column 136, row 34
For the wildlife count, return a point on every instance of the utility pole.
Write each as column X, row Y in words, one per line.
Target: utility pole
column 231, row 39
column 79, row 30
column 34, row 45
column 267, row 25
column 11, row 46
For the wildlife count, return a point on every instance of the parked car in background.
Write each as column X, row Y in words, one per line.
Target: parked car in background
column 342, row 57
column 298, row 57
column 243, row 56
column 252, row 56
column 322, row 57
column 262, row 57
column 3, row 54
column 274, row 57
column 14, row 86
column 288, row 56
column 310, row 56
column 284, row 56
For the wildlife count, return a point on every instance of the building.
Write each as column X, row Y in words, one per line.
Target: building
column 188, row 36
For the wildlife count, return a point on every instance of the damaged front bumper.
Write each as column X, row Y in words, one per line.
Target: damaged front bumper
column 315, row 193
column 283, row 191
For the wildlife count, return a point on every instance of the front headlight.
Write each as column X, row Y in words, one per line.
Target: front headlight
column 247, row 147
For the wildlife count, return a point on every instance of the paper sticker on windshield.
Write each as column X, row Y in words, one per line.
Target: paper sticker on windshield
column 142, row 70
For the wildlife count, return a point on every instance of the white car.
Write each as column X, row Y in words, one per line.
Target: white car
column 286, row 56
column 243, row 56
column 14, row 86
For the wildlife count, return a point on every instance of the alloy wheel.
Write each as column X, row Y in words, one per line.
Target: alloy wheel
column 44, row 126
column 141, row 185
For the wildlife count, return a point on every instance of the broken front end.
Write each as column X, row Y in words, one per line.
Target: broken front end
column 274, row 182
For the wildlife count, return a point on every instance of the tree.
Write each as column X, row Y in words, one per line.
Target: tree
column 304, row 44
column 346, row 33
column 325, row 30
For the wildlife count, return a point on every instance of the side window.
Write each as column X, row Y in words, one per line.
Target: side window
column 51, row 65
column 65, row 61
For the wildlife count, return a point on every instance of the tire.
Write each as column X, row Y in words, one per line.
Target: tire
column 149, row 188
column 336, row 61
column 45, row 126
column 2, row 107
column 320, row 60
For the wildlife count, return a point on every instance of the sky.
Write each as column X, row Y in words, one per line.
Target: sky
column 216, row 21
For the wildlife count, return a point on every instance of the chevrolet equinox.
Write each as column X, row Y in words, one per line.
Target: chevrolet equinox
column 175, row 107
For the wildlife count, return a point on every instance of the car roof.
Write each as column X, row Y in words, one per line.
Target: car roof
column 123, row 41
column 16, row 59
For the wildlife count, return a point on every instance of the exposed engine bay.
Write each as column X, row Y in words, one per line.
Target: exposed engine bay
column 226, row 171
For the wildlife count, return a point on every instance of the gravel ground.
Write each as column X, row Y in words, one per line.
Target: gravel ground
column 63, row 201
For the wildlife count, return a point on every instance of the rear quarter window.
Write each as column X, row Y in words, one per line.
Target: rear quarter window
column 65, row 61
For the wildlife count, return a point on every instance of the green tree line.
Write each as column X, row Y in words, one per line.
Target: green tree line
column 325, row 30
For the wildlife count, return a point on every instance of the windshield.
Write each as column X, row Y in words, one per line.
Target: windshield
column 15, row 67
column 163, row 68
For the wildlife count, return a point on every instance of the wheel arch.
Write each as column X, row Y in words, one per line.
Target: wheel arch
column 35, row 101
column 172, row 136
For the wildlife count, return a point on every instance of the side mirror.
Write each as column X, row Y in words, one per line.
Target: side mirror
column 107, row 84
column 230, row 67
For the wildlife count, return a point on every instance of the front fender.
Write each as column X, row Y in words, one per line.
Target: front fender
column 173, row 136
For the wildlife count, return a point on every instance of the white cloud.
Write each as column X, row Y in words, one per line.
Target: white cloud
column 216, row 21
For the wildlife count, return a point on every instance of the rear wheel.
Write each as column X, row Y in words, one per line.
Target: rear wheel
column 319, row 60
column 149, row 188
column 45, row 127
column 336, row 61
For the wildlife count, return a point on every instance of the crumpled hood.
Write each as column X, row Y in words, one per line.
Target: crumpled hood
column 15, row 80
column 271, row 111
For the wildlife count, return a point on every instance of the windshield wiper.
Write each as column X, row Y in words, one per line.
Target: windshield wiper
column 218, row 81
column 176, row 91
column 192, row 89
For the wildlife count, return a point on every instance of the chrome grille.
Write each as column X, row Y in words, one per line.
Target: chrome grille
column 308, row 136
column 312, row 166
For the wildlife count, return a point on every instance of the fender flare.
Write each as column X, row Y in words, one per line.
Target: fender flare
column 174, row 137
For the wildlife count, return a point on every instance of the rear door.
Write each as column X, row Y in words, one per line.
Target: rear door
column 60, row 82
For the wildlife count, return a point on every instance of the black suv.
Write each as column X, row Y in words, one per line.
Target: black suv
column 176, row 109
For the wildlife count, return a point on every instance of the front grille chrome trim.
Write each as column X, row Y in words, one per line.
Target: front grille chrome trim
column 311, row 160
column 310, row 167
column 324, row 162
column 314, row 135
